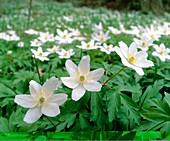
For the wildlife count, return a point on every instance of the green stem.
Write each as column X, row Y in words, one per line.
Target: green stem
column 113, row 75
column 50, row 121
column 36, row 64
column 10, row 88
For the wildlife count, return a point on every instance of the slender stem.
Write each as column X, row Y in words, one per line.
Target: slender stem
column 113, row 76
column 10, row 88
column 29, row 14
column 50, row 121
column 36, row 64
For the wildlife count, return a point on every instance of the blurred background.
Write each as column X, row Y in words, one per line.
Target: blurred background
column 158, row 7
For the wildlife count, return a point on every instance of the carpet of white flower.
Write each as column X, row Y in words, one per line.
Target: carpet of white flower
column 79, row 69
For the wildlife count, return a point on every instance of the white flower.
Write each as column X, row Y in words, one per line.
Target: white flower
column 97, row 28
column 46, row 37
column 20, row 44
column 107, row 48
column 31, row 32
column 101, row 37
column 66, row 53
column 39, row 54
column 54, row 49
column 162, row 52
column 114, row 30
column 133, row 59
column 36, row 43
column 41, row 101
column 164, row 30
column 81, row 78
column 152, row 33
column 144, row 43
column 88, row 46
column 63, row 37
column 68, row 18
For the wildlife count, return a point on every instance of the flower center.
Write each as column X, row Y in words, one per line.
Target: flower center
column 143, row 44
column 108, row 48
column 102, row 38
column 65, row 53
column 88, row 45
column 82, row 78
column 40, row 54
column 41, row 100
column 132, row 59
column 152, row 35
column 162, row 52
column 65, row 36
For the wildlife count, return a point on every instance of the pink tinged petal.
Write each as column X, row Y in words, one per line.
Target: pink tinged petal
column 33, row 115
column 50, row 109
column 34, row 87
column 96, row 74
column 123, row 48
column 133, row 48
column 84, row 65
column 78, row 92
column 25, row 101
column 59, row 99
column 144, row 63
column 92, row 86
column 141, row 55
column 69, row 82
column 71, row 68
column 51, row 84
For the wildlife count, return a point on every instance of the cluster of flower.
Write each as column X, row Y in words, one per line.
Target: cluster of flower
column 43, row 100
column 9, row 35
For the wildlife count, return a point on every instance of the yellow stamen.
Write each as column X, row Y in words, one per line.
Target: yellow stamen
column 132, row 59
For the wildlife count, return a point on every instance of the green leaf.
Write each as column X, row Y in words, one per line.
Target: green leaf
column 113, row 103
column 83, row 122
column 41, row 138
column 4, row 126
column 151, row 92
column 131, row 108
column 67, row 119
column 97, row 114
column 159, row 116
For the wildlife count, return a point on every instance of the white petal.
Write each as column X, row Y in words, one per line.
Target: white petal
column 33, row 115
column 25, row 101
column 141, row 55
column 59, row 99
column 34, row 87
column 118, row 51
column 51, row 84
column 69, row 82
column 78, row 92
column 92, row 86
column 138, row 70
column 144, row 63
column 123, row 48
column 71, row 67
column 84, row 65
column 96, row 74
column 50, row 109
column 133, row 48
column 60, row 33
